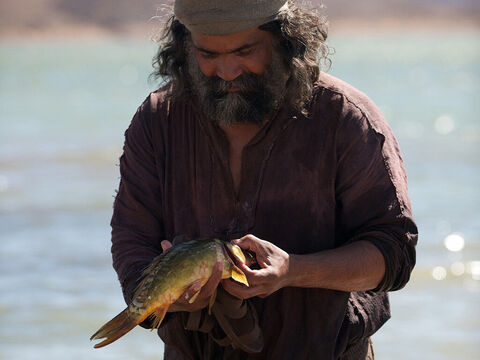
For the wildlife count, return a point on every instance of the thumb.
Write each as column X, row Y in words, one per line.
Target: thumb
column 166, row 245
column 193, row 289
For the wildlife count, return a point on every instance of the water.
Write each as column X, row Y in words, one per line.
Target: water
column 63, row 109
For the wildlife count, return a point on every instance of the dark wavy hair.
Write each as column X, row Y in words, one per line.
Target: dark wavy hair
column 301, row 39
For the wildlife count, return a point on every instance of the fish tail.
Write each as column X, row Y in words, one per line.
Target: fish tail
column 115, row 328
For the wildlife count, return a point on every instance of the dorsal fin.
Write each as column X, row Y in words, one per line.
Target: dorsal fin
column 151, row 270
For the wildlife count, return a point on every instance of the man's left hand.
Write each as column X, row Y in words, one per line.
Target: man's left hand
column 273, row 272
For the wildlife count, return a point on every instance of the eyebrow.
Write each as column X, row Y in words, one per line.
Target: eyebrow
column 241, row 48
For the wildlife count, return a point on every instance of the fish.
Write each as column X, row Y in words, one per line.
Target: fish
column 168, row 276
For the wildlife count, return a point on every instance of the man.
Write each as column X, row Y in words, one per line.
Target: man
column 249, row 142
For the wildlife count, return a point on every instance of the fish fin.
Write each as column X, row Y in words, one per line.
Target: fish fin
column 159, row 314
column 147, row 274
column 194, row 297
column 235, row 252
column 238, row 275
column 115, row 328
column 150, row 267
column 212, row 301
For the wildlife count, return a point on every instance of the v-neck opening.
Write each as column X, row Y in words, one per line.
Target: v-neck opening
column 239, row 194
column 254, row 159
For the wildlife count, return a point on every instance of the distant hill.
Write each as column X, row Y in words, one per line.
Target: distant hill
column 122, row 15
column 403, row 8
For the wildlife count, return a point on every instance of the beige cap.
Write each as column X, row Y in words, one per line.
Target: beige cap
column 225, row 17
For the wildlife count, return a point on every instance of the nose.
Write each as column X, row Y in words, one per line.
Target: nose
column 228, row 69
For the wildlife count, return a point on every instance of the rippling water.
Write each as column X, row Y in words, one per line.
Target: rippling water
column 63, row 109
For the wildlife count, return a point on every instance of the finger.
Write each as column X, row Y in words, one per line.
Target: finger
column 256, row 277
column 247, row 242
column 166, row 245
column 262, row 264
column 246, row 270
column 192, row 290
column 238, row 290
column 205, row 291
column 213, row 281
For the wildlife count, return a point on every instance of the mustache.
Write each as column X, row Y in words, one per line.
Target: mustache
column 244, row 83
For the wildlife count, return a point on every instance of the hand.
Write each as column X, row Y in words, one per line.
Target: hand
column 273, row 272
column 206, row 291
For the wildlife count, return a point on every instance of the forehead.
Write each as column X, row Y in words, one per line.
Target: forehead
column 228, row 43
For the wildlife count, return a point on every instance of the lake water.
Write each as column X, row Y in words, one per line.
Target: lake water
column 63, row 109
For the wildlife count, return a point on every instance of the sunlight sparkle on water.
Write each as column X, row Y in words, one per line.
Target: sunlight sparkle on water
column 439, row 273
column 454, row 242
column 444, row 125
column 457, row 268
column 473, row 268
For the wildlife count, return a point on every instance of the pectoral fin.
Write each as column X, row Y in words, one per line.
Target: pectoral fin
column 159, row 314
column 236, row 252
column 194, row 297
column 239, row 276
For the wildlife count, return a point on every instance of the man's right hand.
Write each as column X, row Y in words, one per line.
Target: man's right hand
column 206, row 291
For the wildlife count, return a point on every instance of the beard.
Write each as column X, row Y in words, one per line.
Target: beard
column 258, row 96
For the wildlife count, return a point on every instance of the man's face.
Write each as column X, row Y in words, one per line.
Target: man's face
column 237, row 78
column 229, row 56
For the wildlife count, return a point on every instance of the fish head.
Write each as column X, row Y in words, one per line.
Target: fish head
column 235, row 253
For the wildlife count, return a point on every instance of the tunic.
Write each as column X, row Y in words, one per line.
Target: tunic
column 308, row 183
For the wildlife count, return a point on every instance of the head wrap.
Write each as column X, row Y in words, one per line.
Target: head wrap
column 225, row 17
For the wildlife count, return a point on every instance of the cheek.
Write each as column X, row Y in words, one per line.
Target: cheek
column 254, row 67
column 258, row 63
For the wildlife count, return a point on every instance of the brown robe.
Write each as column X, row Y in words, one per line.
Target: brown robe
column 308, row 183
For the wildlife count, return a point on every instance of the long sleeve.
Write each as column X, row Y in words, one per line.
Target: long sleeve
column 372, row 198
column 137, row 227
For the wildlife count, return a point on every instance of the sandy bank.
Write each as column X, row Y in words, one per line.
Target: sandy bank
column 341, row 26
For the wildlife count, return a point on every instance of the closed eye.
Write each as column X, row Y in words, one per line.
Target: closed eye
column 208, row 55
column 244, row 52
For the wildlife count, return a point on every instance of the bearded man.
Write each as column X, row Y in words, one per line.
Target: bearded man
column 248, row 141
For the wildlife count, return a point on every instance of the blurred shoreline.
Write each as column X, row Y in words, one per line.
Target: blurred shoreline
column 151, row 29
column 106, row 19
